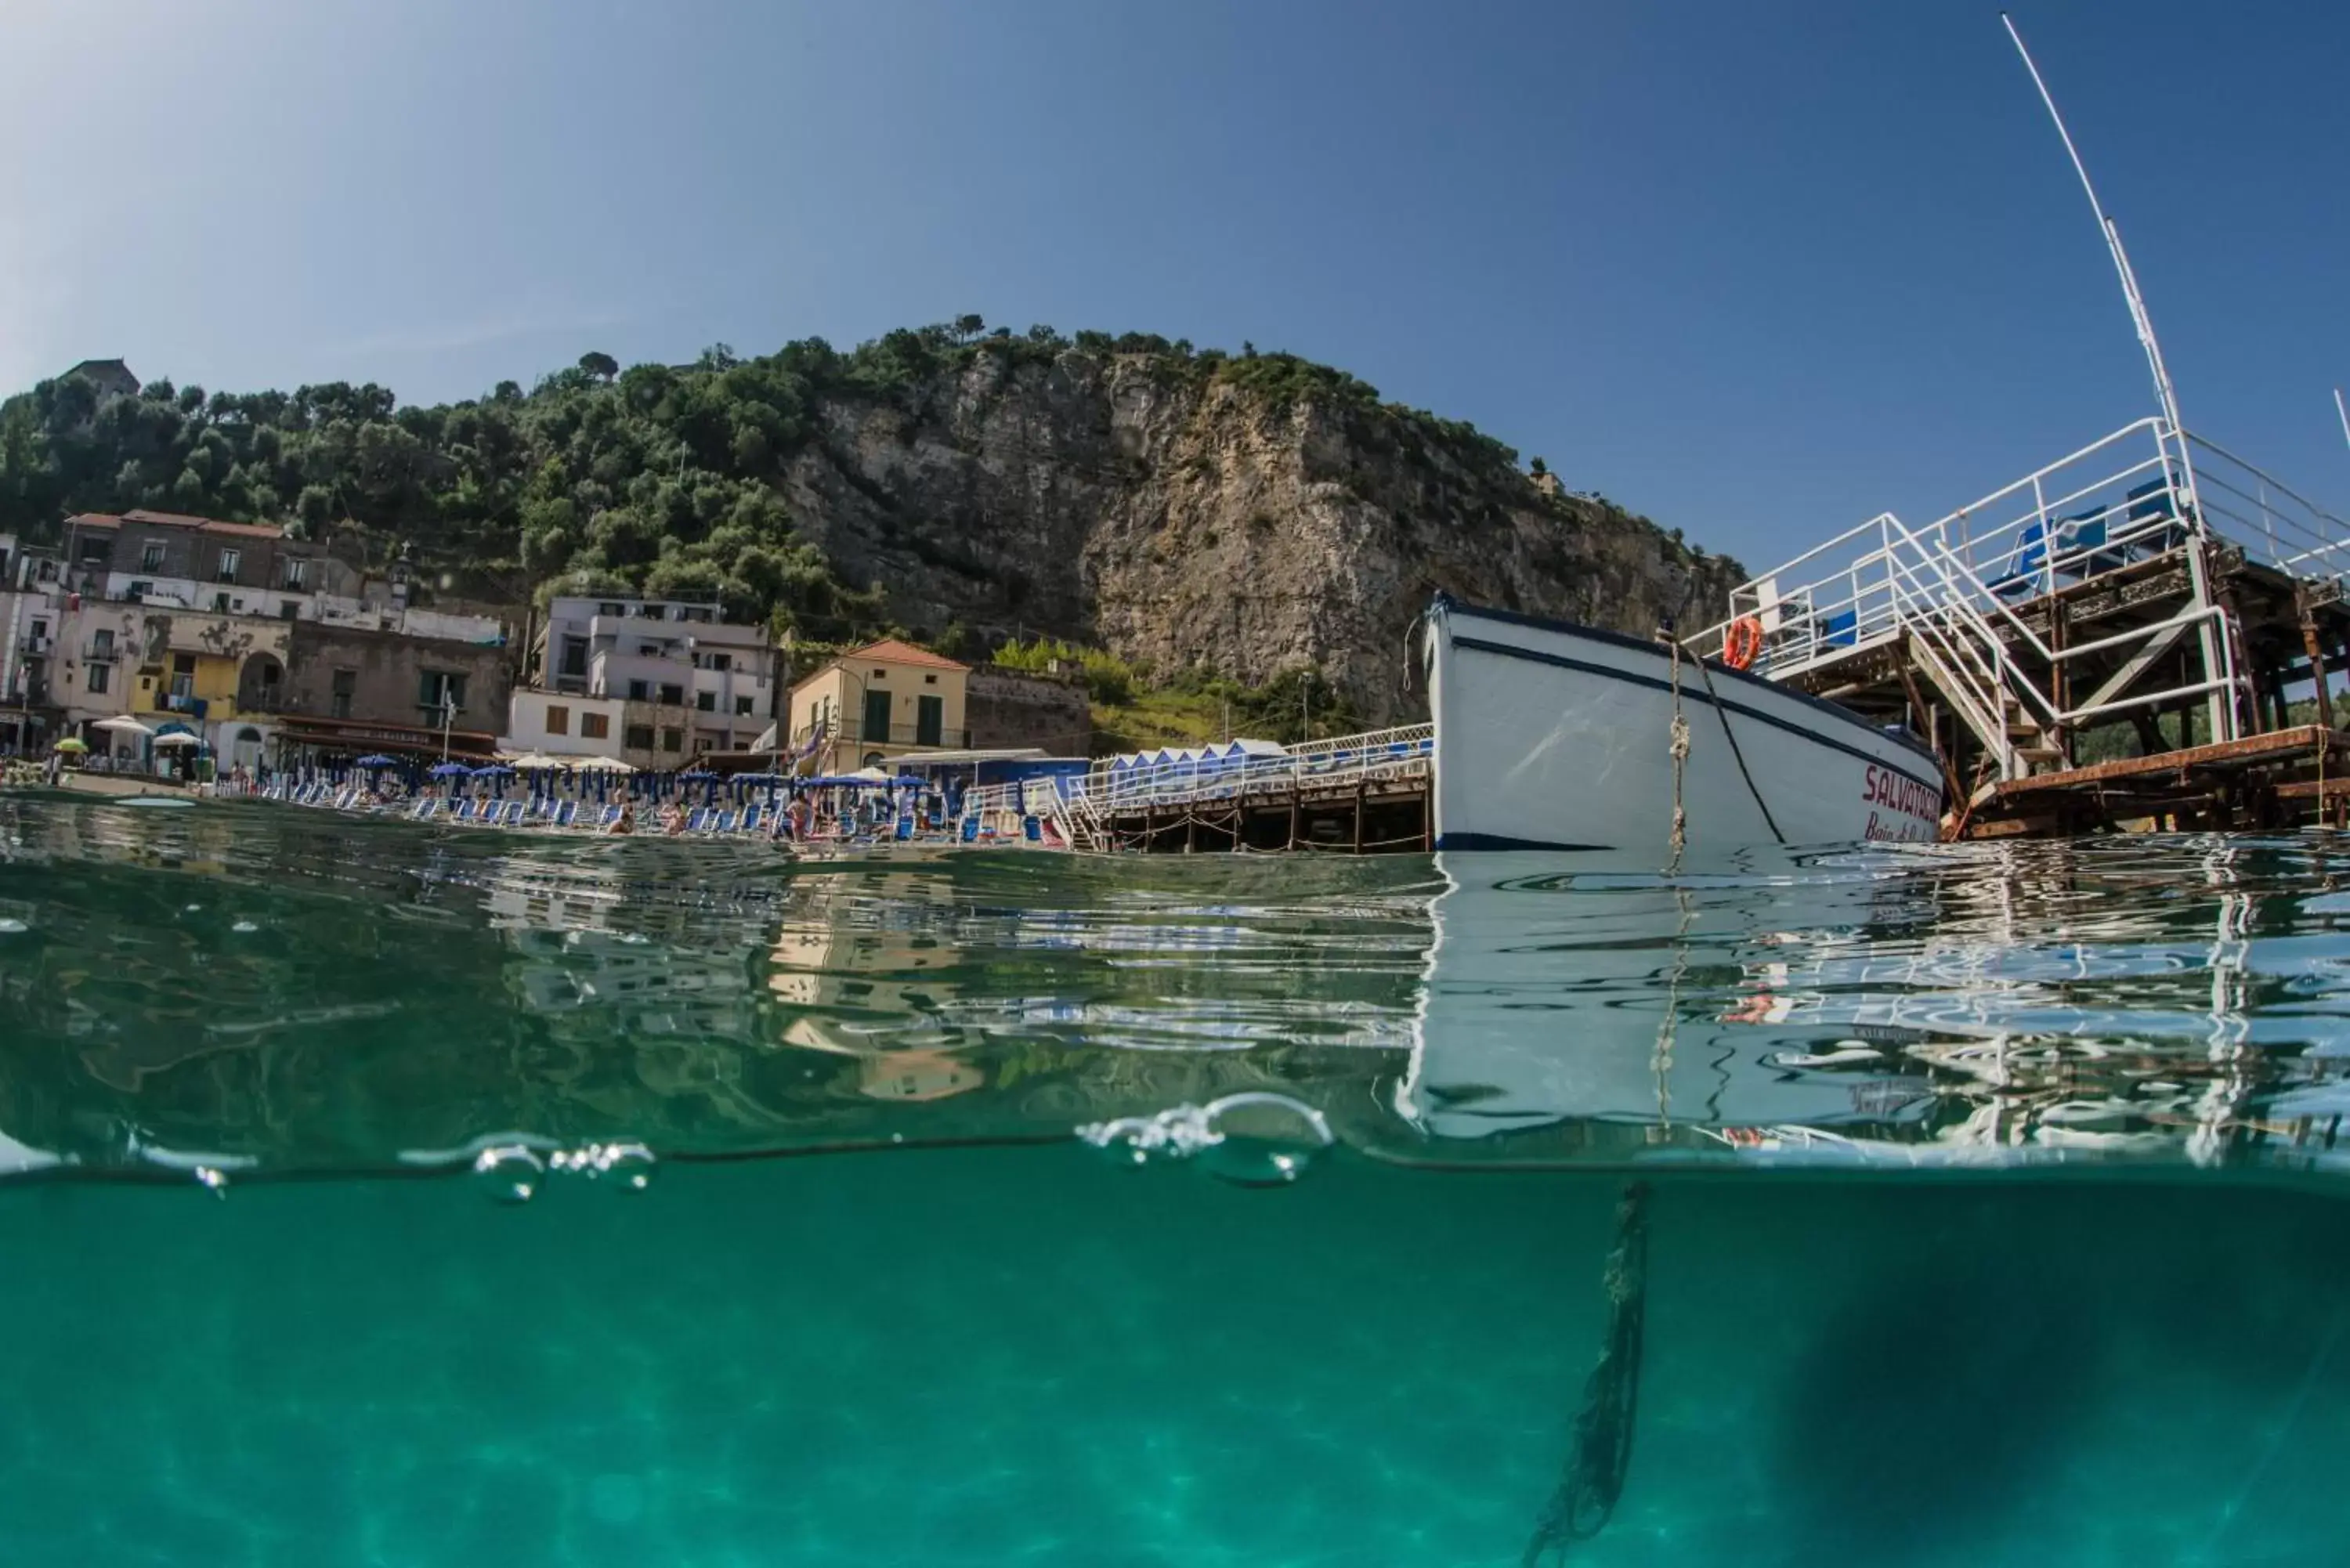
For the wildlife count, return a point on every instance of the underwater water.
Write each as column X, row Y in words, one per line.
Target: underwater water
column 381, row 1196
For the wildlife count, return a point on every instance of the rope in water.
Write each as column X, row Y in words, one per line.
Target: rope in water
column 1586, row 1493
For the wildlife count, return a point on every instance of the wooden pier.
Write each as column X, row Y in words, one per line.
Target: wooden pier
column 1361, row 795
column 2141, row 635
column 1387, row 816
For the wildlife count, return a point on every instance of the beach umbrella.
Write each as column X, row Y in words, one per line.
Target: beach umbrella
column 448, row 770
column 376, row 760
column 179, row 738
column 71, row 745
column 123, row 724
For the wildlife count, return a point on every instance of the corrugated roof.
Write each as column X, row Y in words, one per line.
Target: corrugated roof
column 889, row 651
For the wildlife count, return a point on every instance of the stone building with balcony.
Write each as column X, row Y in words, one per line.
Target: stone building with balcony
column 355, row 689
column 175, row 560
column 171, row 560
column 217, row 677
column 885, row 700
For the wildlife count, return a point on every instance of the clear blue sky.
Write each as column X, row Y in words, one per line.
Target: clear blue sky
column 1756, row 270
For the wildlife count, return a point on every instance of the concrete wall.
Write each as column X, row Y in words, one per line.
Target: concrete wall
column 1008, row 709
column 388, row 672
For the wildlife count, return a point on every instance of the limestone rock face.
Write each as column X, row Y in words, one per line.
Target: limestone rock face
column 1185, row 519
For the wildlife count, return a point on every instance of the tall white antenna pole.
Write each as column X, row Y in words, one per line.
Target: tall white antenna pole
column 2163, row 392
column 2344, row 412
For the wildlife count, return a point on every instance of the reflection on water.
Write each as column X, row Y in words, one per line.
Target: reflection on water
column 281, row 989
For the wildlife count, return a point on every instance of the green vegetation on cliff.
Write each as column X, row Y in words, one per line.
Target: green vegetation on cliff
column 666, row 479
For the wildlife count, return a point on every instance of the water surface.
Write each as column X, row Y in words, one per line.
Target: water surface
column 1993, row 1204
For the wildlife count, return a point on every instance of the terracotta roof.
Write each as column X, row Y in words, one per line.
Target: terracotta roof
column 889, row 651
column 94, row 519
column 207, row 525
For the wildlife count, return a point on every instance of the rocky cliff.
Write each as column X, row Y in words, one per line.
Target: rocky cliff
column 1243, row 516
column 1184, row 520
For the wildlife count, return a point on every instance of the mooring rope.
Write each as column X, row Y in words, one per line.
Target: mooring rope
column 1602, row 1453
column 1722, row 713
column 1679, row 747
column 1661, row 1061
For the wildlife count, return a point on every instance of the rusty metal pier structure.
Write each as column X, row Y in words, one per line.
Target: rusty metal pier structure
column 2141, row 633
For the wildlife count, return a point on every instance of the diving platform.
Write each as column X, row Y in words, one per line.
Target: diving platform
column 2143, row 632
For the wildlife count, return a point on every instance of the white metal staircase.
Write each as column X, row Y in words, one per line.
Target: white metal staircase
column 1080, row 821
column 1989, row 673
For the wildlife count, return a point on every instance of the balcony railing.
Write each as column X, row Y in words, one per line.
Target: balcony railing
column 36, row 646
column 97, row 652
column 888, row 735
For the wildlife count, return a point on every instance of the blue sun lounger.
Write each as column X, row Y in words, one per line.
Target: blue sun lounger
column 2028, row 568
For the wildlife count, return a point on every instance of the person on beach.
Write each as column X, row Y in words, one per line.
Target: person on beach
column 626, row 821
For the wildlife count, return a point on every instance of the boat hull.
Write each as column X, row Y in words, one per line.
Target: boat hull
column 1553, row 736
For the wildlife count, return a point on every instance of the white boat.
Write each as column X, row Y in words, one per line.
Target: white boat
column 1555, row 736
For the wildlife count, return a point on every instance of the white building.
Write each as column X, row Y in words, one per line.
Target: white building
column 690, row 683
column 565, row 724
column 32, row 616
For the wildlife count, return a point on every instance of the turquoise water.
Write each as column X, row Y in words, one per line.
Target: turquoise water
column 1992, row 1215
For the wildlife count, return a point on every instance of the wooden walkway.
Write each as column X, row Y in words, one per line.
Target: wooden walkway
column 2271, row 780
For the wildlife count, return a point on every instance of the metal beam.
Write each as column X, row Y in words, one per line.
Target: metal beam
column 2137, row 664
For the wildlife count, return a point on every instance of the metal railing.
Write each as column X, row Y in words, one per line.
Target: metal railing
column 2273, row 523
column 1953, row 588
column 1079, row 805
column 1376, row 756
column 2117, row 501
column 887, row 735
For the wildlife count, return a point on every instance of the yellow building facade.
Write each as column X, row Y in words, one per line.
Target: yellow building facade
column 882, row 700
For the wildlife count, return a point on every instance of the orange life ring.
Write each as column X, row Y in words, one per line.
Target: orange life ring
column 1742, row 642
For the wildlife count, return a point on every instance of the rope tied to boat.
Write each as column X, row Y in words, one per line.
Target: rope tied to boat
column 1737, row 753
column 1586, row 1497
column 1679, row 747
